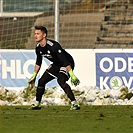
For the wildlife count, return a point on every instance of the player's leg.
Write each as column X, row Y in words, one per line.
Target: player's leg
column 41, row 85
column 62, row 78
column 46, row 77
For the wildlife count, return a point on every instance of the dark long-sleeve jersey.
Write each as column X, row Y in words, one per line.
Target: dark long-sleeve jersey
column 55, row 53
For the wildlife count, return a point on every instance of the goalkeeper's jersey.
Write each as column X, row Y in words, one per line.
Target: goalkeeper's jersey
column 55, row 53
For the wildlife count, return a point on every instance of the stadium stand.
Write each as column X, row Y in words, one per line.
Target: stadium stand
column 117, row 27
column 83, row 23
column 73, row 33
column 79, row 23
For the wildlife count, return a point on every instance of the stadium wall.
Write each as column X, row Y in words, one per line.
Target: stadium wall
column 107, row 69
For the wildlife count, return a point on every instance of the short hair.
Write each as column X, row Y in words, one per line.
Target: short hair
column 42, row 28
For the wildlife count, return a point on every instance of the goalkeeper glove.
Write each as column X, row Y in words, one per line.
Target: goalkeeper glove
column 74, row 80
column 33, row 78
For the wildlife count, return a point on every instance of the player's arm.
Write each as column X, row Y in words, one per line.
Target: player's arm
column 74, row 80
column 33, row 77
column 58, row 50
column 36, row 68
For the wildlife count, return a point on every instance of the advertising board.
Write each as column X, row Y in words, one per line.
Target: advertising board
column 114, row 70
column 107, row 69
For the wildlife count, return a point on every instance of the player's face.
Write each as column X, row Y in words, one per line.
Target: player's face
column 39, row 35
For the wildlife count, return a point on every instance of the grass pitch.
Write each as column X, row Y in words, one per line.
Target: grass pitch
column 59, row 119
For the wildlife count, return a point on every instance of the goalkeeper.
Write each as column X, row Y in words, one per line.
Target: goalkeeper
column 61, row 68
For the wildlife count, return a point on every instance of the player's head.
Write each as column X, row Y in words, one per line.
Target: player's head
column 42, row 28
column 40, row 33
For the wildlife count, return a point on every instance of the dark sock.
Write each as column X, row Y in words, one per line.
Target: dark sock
column 69, row 92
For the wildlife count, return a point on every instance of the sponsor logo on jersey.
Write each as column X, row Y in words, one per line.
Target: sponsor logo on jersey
column 59, row 51
column 47, row 55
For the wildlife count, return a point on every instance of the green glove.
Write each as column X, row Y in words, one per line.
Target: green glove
column 33, row 78
column 74, row 80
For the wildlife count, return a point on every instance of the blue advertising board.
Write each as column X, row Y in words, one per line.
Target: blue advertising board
column 17, row 66
column 114, row 70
